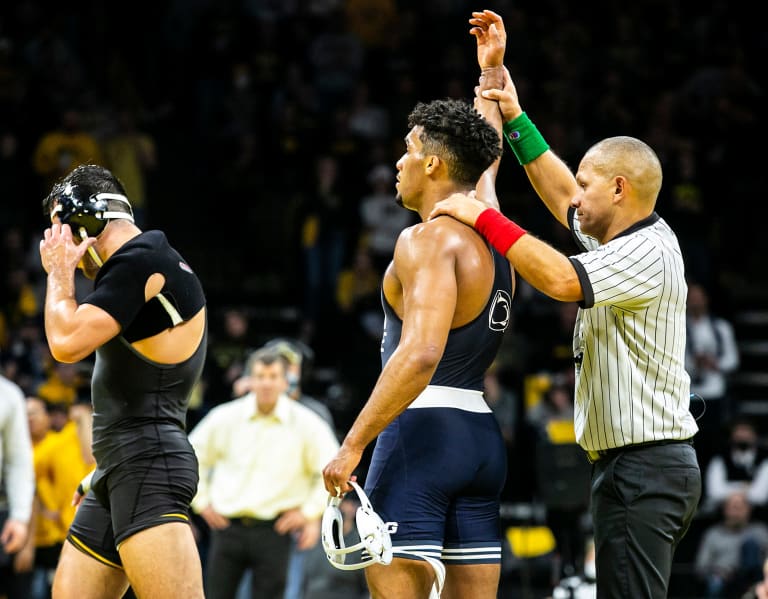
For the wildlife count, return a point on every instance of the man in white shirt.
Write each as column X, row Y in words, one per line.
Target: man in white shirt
column 711, row 350
column 261, row 458
column 711, row 355
column 741, row 466
column 17, row 479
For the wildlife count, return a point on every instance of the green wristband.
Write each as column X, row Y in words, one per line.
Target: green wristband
column 524, row 139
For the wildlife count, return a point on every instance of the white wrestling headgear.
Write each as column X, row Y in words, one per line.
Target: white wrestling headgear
column 375, row 543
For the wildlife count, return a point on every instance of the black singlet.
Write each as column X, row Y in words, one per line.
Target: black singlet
column 140, row 406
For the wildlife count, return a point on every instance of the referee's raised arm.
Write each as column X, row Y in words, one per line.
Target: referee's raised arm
column 550, row 176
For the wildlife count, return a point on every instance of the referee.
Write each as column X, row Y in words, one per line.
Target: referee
column 632, row 391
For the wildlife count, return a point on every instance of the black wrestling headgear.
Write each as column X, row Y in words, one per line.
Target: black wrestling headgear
column 90, row 211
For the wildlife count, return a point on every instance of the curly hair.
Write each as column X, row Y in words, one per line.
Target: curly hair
column 92, row 177
column 458, row 134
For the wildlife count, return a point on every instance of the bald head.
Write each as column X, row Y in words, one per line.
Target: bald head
column 632, row 159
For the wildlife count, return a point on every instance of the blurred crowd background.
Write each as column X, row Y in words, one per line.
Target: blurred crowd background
column 261, row 136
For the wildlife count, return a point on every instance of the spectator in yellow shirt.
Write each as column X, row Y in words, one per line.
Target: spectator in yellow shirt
column 62, row 149
column 62, row 459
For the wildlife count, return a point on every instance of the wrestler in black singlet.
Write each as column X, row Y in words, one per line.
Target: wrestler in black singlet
column 146, row 471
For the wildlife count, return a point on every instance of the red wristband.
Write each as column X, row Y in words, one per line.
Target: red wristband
column 500, row 232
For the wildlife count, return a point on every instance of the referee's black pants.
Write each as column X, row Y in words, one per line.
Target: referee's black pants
column 247, row 544
column 643, row 501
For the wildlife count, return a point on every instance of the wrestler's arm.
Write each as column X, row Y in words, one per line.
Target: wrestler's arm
column 426, row 270
column 485, row 191
column 73, row 331
column 424, row 263
column 491, row 42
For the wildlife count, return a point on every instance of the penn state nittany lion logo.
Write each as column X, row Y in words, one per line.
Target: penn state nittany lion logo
column 498, row 315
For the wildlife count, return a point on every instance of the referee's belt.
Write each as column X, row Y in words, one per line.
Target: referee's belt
column 250, row 522
column 599, row 454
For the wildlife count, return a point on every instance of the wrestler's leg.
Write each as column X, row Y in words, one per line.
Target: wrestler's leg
column 82, row 576
column 480, row 581
column 403, row 578
column 163, row 562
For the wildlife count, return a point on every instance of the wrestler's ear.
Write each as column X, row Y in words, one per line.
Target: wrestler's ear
column 432, row 164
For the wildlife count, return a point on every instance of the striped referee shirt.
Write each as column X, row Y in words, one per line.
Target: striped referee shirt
column 629, row 338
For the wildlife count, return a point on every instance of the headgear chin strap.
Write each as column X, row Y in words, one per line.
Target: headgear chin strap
column 375, row 542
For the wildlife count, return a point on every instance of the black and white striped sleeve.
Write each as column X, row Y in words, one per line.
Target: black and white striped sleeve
column 626, row 272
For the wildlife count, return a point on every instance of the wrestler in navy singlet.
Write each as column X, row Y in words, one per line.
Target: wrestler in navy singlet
column 146, row 468
column 438, row 469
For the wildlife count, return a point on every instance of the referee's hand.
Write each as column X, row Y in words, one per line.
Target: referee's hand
column 463, row 207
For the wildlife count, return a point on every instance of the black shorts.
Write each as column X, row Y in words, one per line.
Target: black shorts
column 139, row 494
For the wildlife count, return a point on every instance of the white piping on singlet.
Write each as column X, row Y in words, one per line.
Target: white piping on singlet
column 172, row 312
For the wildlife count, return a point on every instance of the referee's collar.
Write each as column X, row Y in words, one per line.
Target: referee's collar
column 641, row 224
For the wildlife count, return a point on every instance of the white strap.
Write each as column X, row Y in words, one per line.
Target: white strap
column 436, row 564
column 91, row 250
column 439, row 568
column 109, row 215
column 111, row 196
